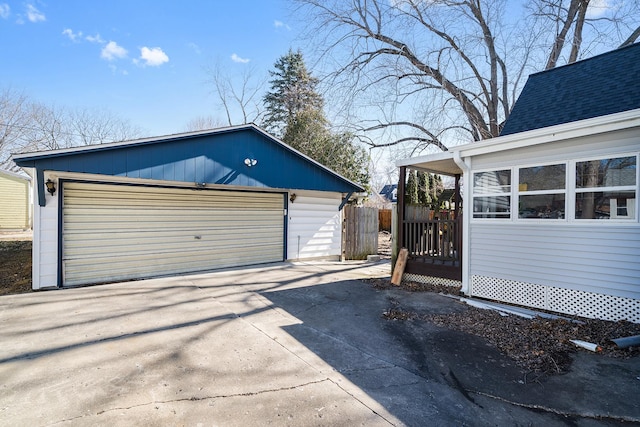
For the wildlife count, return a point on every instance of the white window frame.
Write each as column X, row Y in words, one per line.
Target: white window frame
column 574, row 191
column 570, row 192
column 518, row 192
column 474, row 194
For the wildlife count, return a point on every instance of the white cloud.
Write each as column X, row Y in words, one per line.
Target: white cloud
column 95, row 39
column 153, row 57
column 34, row 15
column 112, row 51
column 72, row 36
column 597, row 8
column 280, row 24
column 195, row 48
column 5, row 10
column 236, row 58
column 117, row 71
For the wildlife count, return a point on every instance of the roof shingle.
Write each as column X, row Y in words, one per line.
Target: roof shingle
column 601, row 85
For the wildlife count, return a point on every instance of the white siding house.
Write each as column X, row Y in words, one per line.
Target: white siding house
column 15, row 206
column 551, row 209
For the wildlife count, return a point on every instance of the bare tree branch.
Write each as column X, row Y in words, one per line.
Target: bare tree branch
column 632, row 38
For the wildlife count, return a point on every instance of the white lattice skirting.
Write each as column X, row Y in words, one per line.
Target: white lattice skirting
column 567, row 301
column 408, row 277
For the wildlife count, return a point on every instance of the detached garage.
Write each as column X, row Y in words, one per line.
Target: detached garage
column 180, row 204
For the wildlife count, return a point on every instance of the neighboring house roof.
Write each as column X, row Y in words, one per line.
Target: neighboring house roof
column 218, row 156
column 389, row 193
column 447, row 194
column 601, row 85
column 14, row 175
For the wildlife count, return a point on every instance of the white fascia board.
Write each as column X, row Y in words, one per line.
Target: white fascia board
column 577, row 129
column 445, row 155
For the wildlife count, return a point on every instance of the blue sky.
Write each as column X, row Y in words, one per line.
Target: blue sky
column 142, row 60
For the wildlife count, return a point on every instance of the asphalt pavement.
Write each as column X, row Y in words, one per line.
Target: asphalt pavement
column 299, row 344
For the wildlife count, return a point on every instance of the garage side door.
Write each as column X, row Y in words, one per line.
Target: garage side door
column 120, row 232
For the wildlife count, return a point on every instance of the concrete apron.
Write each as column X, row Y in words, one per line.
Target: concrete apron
column 205, row 349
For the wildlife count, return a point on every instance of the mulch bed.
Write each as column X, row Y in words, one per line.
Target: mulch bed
column 539, row 344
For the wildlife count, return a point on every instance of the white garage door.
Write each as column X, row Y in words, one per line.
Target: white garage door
column 120, row 232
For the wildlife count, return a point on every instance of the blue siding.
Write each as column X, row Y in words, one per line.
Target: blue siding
column 211, row 158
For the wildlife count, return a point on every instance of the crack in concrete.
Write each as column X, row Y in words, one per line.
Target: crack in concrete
column 547, row 409
column 198, row 399
column 224, row 396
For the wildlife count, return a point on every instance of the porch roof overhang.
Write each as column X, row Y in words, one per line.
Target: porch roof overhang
column 439, row 163
column 448, row 162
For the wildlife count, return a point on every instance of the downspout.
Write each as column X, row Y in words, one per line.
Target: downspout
column 466, row 221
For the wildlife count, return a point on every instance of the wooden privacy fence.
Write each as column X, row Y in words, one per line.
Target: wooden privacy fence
column 359, row 232
column 384, row 220
column 417, row 213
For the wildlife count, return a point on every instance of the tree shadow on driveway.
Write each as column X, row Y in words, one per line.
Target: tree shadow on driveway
column 422, row 373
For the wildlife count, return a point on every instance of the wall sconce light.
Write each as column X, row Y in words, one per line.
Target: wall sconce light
column 292, row 197
column 51, row 187
column 250, row 162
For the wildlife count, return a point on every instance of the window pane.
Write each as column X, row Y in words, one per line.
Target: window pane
column 606, row 172
column 492, row 182
column 541, row 206
column 606, row 205
column 551, row 177
column 492, row 207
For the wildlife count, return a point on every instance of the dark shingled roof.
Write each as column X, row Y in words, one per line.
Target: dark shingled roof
column 387, row 192
column 605, row 84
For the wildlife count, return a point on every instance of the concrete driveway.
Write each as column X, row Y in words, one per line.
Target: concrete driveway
column 286, row 344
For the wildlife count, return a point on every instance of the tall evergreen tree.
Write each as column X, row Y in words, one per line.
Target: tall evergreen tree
column 424, row 196
column 293, row 91
column 412, row 188
column 294, row 113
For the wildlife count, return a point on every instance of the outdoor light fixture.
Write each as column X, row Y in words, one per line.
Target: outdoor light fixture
column 292, row 197
column 250, row 162
column 51, row 187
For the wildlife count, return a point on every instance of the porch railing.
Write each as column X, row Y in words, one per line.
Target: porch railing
column 435, row 239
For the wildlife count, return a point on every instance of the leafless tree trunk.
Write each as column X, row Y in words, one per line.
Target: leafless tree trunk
column 88, row 127
column 26, row 125
column 237, row 97
column 441, row 71
column 14, row 122
column 203, row 123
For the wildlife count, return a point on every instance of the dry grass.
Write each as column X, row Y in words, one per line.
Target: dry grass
column 15, row 267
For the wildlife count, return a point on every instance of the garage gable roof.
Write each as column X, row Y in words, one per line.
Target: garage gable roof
column 244, row 156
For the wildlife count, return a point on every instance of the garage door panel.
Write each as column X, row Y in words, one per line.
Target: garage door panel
column 174, row 246
column 185, row 198
column 230, row 235
column 119, row 232
column 152, row 267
